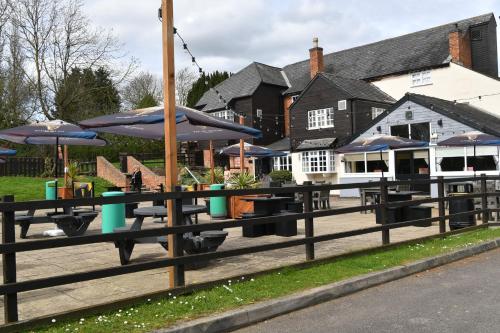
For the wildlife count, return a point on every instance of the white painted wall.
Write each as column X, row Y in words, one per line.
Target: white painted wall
column 301, row 177
column 453, row 82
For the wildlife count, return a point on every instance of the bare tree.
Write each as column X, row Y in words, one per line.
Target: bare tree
column 184, row 79
column 57, row 37
column 142, row 85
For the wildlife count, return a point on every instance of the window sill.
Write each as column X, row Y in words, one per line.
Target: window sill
column 318, row 172
column 422, row 85
column 317, row 128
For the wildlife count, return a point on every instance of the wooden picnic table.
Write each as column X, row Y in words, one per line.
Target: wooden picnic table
column 126, row 246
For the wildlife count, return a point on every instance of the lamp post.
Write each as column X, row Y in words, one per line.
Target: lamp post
column 167, row 12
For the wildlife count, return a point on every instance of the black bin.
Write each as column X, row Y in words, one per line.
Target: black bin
column 460, row 206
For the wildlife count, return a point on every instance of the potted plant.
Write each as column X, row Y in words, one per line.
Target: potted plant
column 72, row 170
column 236, row 204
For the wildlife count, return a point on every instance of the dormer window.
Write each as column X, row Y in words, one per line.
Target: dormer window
column 421, row 78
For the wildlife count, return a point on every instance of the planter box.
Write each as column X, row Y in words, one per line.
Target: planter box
column 237, row 206
column 65, row 193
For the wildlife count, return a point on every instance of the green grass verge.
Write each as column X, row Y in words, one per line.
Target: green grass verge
column 162, row 313
column 30, row 188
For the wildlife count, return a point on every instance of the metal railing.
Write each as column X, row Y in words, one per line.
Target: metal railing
column 9, row 247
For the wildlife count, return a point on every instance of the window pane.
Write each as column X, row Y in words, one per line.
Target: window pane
column 420, row 132
column 481, row 163
column 452, row 164
column 400, row 130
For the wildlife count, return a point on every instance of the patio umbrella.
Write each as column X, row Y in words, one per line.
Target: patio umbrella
column 473, row 138
column 53, row 132
column 380, row 143
column 192, row 125
column 251, row 151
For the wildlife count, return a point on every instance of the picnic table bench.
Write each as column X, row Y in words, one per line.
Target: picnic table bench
column 73, row 222
column 206, row 241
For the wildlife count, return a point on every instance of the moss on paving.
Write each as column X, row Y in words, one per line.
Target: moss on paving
column 32, row 188
column 162, row 313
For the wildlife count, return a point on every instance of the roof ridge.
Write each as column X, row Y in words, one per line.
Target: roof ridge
column 395, row 37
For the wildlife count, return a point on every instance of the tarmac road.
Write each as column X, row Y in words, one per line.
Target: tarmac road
column 460, row 297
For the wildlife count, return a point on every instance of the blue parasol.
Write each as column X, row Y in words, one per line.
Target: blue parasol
column 7, row 152
column 251, row 151
column 192, row 125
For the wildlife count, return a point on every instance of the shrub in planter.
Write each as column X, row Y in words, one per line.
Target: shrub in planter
column 281, row 176
column 236, row 204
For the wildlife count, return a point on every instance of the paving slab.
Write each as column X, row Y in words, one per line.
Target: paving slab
column 53, row 262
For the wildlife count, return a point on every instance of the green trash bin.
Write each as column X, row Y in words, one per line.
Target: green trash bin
column 218, row 207
column 113, row 215
column 50, row 190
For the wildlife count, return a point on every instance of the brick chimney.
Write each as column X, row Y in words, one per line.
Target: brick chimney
column 316, row 58
column 460, row 50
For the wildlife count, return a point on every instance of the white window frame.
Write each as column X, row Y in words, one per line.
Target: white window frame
column 282, row 162
column 342, row 105
column 421, row 78
column 224, row 114
column 258, row 113
column 385, row 154
column 318, row 161
column 320, row 118
column 377, row 112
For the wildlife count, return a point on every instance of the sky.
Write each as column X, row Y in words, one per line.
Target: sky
column 230, row 34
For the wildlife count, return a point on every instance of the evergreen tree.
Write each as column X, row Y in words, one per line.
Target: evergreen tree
column 85, row 94
column 203, row 84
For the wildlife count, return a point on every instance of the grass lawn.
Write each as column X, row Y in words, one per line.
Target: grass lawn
column 155, row 314
column 29, row 188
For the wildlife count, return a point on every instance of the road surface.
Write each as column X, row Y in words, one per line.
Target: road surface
column 461, row 297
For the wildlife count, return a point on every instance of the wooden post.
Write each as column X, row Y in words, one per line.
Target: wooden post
column 484, row 200
column 176, row 275
column 212, row 167
column 242, row 148
column 441, row 210
column 9, row 263
column 309, row 223
column 383, row 210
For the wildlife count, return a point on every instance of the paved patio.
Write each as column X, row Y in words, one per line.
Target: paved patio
column 53, row 262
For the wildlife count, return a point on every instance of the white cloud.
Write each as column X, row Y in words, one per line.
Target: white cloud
column 228, row 35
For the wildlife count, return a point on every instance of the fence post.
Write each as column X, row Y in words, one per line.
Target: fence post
column 177, row 246
column 383, row 210
column 9, row 263
column 309, row 222
column 441, row 210
column 484, row 200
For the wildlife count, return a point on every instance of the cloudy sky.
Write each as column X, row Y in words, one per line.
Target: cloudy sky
column 229, row 34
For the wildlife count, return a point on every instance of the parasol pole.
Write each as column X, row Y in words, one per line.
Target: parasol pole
column 167, row 11
column 212, row 168
column 242, row 148
column 66, row 163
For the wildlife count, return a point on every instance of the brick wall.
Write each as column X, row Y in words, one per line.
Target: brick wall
column 108, row 171
column 460, row 48
column 149, row 178
column 286, row 103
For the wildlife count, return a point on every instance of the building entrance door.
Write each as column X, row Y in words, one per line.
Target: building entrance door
column 413, row 164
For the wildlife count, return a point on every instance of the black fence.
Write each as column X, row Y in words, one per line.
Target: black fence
column 35, row 167
column 177, row 260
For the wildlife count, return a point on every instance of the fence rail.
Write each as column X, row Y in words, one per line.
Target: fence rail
column 9, row 247
column 35, row 167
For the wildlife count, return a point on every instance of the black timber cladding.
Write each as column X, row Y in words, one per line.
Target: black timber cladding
column 323, row 92
column 483, row 39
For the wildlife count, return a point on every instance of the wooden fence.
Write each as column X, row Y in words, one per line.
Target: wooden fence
column 35, row 167
column 9, row 247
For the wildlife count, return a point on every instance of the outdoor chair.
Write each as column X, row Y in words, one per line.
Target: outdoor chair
column 322, row 199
